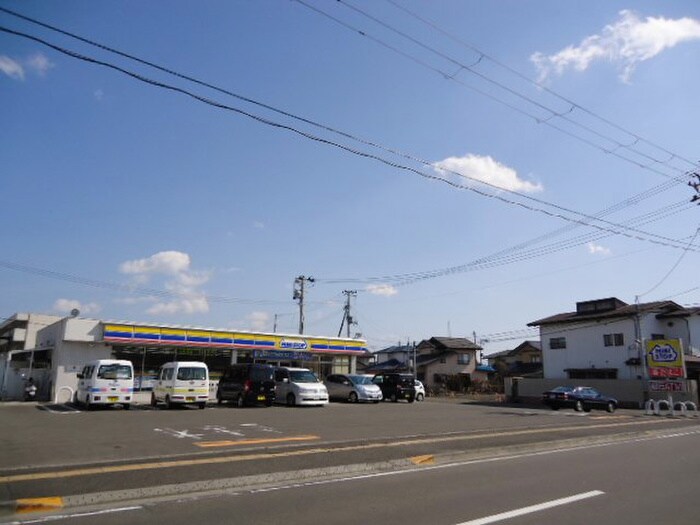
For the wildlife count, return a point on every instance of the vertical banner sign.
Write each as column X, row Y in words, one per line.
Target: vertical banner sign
column 665, row 359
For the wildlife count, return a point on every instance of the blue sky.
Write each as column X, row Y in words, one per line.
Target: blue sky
column 136, row 202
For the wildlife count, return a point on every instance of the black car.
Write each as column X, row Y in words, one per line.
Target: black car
column 580, row 398
column 247, row 384
column 396, row 386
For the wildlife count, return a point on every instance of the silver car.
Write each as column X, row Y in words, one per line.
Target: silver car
column 353, row 388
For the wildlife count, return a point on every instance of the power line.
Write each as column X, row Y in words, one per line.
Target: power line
column 541, row 86
column 657, row 239
column 470, row 68
column 504, row 256
column 247, row 99
column 673, row 268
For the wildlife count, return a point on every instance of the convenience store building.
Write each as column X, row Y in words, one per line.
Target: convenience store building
column 60, row 348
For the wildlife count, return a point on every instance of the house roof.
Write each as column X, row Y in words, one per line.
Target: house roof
column 452, row 343
column 394, row 349
column 617, row 309
column 387, row 366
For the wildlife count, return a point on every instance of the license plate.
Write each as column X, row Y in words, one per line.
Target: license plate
column 190, row 399
column 261, row 398
column 113, row 399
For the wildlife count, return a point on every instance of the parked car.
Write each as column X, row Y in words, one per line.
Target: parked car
column 353, row 388
column 106, row 382
column 580, row 398
column 420, row 391
column 396, row 386
column 181, row 383
column 247, row 384
column 299, row 386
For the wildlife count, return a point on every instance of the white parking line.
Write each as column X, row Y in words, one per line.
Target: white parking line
column 533, row 508
column 56, row 517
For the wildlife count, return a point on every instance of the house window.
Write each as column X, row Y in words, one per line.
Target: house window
column 535, row 359
column 443, row 360
column 557, row 343
column 614, row 340
column 464, row 359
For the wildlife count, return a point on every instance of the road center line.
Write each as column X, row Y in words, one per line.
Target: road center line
column 533, row 508
column 87, row 471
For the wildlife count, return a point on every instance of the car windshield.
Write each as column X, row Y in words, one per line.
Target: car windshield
column 361, row 380
column 261, row 374
column 562, row 389
column 302, row 376
column 191, row 374
column 114, row 372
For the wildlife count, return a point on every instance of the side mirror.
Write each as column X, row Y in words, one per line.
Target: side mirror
column 80, row 375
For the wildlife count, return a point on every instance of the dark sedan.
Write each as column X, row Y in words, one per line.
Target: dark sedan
column 580, row 398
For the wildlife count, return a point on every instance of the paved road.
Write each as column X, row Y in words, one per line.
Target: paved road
column 69, row 453
column 650, row 480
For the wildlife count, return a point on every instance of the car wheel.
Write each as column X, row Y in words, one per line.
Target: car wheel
column 154, row 401
column 578, row 407
column 240, row 402
column 394, row 399
column 610, row 407
column 291, row 400
column 353, row 397
column 202, row 406
column 411, row 399
column 88, row 405
column 168, row 404
column 419, row 397
column 126, row 406
column 555, row 407
column 219, row 399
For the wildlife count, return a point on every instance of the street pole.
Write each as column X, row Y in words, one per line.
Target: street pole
column 299, row 296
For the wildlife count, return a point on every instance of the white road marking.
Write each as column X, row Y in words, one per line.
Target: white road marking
column 534, row 508
column 56, row 517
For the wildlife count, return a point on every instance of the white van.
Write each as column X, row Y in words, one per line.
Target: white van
column 299, row 386
column 182, row 382
column 106, row 382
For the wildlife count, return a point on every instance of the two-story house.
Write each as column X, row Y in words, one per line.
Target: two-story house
column 603, row 338
column 443, row 359
column 524, row 360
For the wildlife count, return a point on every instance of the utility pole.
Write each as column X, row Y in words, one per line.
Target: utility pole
column 299, row 296
column 346, row 312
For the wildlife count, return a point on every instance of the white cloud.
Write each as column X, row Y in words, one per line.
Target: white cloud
column 39, row 63
column 628, row 42
column 259, row 225
column 382, row 289
column 11, row 68
column 66, row 306
column 99, row 95
column 178, row 277
column 259, row 321
column 169, row 263
column 485, row 169
column 597, row 248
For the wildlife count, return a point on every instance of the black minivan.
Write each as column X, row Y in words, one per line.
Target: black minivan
column 247, row 384
column 396, row 386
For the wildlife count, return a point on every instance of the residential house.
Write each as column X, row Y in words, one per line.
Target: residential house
column 397, row 358
column 525, row 360
column 449, row 362
column 603, row 338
